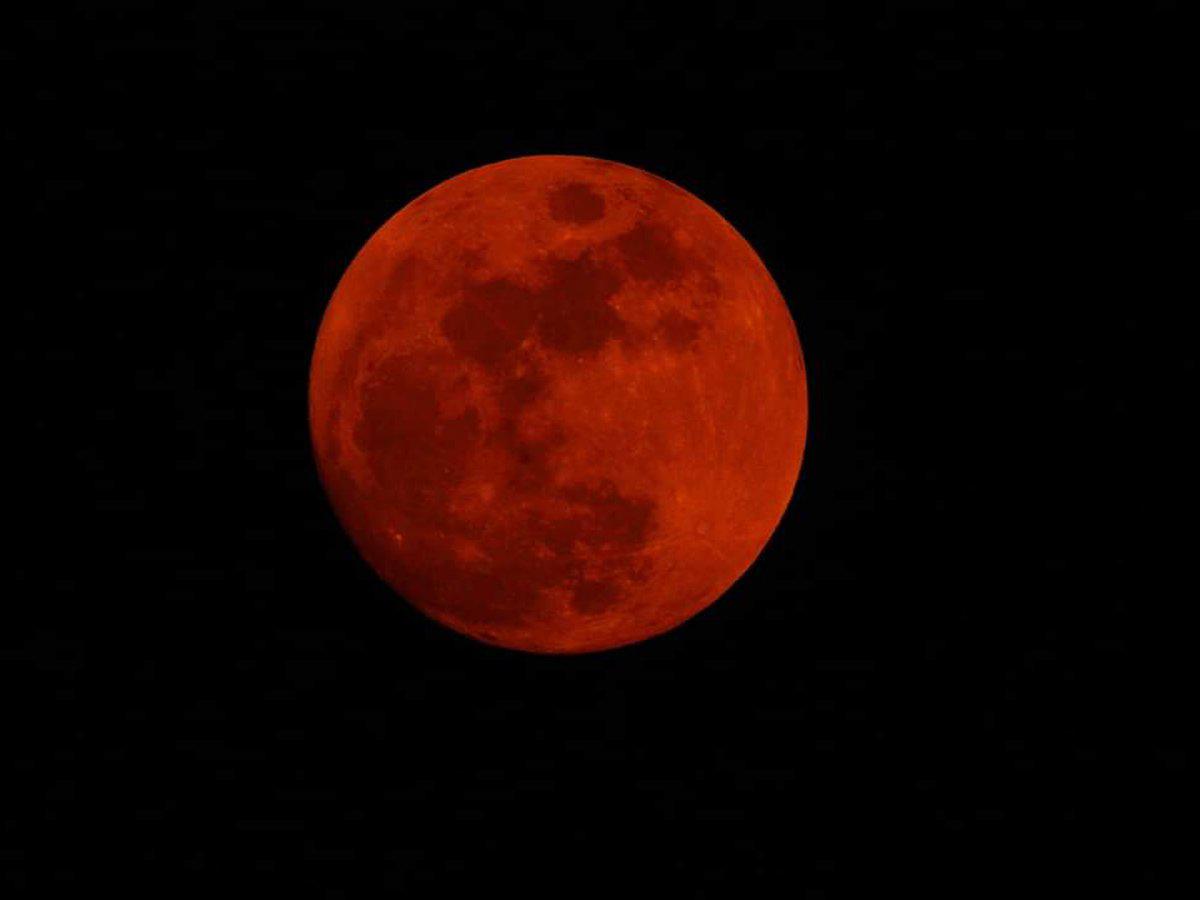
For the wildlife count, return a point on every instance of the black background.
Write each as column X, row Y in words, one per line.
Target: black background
column 955, row 666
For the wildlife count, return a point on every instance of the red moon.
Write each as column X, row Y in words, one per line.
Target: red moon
column 558, row 403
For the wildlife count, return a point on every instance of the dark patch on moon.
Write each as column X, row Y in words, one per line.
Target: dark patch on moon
column 402, row 278
column 608, row 520
column 491, row 320
column 593, row 597
column 576, row 203
column 522, row 387
column 415, row 449
column 679, row 331
column 571, row 312
column 575, row 315
column 650, row 252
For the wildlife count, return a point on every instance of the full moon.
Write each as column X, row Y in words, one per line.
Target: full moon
column 558, row 404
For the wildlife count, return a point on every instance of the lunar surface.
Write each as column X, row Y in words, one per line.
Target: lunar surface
column 558, row 403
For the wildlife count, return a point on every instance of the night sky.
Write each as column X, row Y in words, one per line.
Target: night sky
column 956, row 666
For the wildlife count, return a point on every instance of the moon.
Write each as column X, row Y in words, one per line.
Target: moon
column 558, row 404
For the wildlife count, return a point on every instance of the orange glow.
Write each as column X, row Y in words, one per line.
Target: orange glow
column 558, row 403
